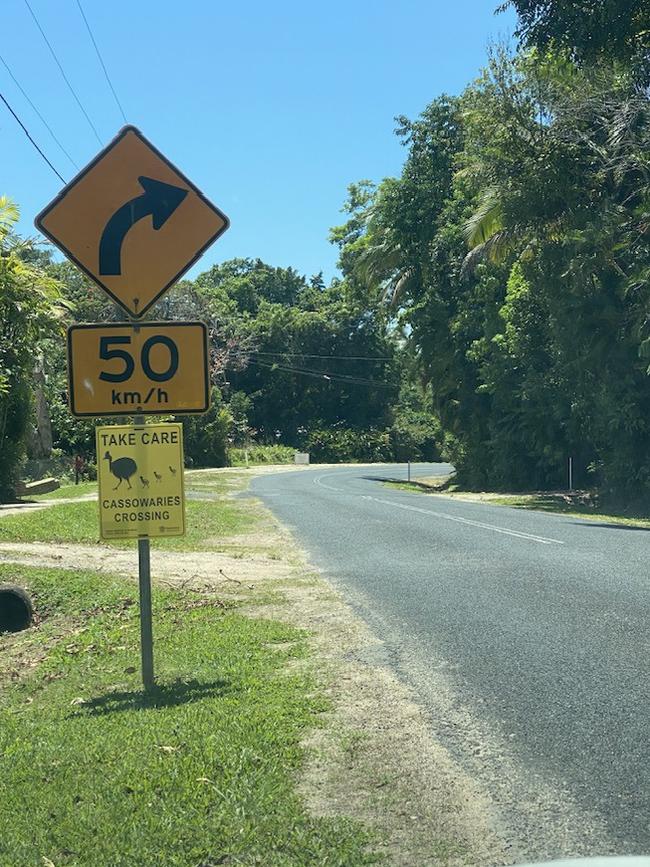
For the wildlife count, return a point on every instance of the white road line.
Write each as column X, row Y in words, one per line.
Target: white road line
column 351, row 472
column 529, row 536
column 319, row 481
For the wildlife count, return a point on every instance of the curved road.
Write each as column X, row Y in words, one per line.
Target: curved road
column 524, row 634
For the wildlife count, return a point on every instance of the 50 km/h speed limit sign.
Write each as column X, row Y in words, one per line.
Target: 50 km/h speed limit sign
column 148, row 368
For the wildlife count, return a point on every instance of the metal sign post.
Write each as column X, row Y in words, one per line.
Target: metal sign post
column 146, row 618
column 146, row 615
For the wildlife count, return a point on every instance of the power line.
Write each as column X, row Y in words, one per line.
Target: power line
column 103, row 65
column 319, row 374
column 45, row 123
column 65, row 77
column 333, row 357
column 26, row 131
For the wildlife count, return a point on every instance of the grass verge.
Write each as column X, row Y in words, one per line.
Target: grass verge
column 66, row 491
column 207, row 522
column 578, row 504
column 198, row 773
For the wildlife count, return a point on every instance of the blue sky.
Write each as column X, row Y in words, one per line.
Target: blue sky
column 272, row 109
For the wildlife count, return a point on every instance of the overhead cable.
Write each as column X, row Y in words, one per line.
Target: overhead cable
column 320, row 374
column 337, row 357
column 65, row 77
column 103, row 65
column 26, row 131
column 42, row 119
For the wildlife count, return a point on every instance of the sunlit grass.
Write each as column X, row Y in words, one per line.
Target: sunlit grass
column 206, row 521
column 198, row 772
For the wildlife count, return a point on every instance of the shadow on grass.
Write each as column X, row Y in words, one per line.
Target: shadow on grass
column 161, row 696
column 404, row 483
column 600, row 525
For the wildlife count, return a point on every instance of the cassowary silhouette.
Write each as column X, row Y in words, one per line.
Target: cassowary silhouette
column 145, row 482
column 122, row 468
column 172, row 471
column 158, row 476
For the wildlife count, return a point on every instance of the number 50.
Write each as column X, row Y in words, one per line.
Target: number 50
column 108, row 353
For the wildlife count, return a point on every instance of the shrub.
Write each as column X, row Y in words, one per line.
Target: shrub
column 343, row 444
column 272, row 454
column 205, row 436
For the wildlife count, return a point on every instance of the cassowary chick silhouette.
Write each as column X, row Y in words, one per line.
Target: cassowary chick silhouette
column 122, row 469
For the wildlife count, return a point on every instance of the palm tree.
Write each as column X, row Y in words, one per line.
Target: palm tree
column 9, row 215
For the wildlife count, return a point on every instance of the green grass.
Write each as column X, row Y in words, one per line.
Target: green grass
column 199, row 772
column 207, row 523
column 219, row 483
column 412, row 487
column 577, row 505
column 556, row 504
column 66, row 491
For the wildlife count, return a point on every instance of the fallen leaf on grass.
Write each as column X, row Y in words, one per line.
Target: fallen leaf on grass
column 76, row 701
column 130, row 670
column 168, row 750
column 47, row 862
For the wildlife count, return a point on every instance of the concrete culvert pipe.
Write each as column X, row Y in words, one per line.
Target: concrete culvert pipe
column 16, row 610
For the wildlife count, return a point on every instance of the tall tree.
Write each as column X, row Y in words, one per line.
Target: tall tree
column 30, row 306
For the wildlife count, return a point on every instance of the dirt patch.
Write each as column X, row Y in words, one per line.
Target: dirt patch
column 20, row 508
column 374, row 758
column 195, row 569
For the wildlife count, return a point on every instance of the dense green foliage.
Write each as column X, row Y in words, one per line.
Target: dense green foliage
column 590, row 30
column 29, row 304
column 514, row 248
column 290, row 358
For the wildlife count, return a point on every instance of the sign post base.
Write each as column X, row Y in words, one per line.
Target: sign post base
column 146, row 629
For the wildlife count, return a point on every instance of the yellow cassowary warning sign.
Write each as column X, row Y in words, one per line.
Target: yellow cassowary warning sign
column 140, row 473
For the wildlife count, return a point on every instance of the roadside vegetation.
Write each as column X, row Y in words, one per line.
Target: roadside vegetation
column 66, row 491
column 577, row 504
column 79, row 523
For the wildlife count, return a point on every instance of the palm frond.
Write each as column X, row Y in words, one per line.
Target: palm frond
column 494, row 249
column 9, row 215
column 486, row 220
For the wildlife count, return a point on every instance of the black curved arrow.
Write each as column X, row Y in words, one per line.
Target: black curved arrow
column 159, row 200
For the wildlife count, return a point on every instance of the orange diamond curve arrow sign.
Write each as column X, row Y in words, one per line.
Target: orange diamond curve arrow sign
column 132, row 222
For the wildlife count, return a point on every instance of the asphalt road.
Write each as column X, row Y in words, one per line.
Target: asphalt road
column 525, row 635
